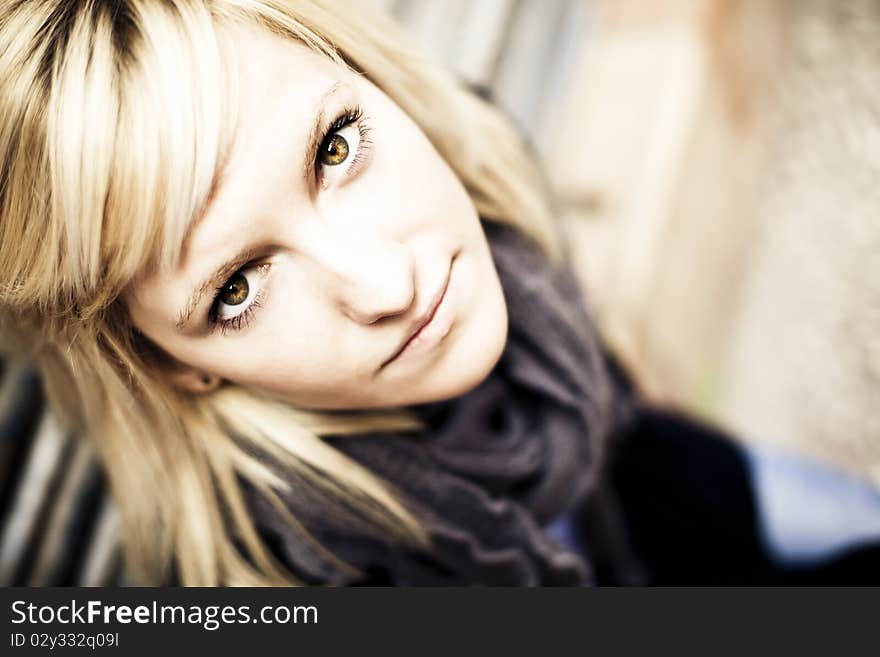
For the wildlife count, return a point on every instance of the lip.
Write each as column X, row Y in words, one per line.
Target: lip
column 423, row 321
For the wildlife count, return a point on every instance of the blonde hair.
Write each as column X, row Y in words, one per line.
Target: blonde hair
column 114, row 117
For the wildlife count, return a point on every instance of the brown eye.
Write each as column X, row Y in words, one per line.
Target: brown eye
column 334, row 151
column 235, row 291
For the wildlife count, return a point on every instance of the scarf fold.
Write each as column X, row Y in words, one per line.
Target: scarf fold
column 496, row 464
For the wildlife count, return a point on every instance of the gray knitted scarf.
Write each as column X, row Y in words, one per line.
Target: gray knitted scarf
column 494, row 467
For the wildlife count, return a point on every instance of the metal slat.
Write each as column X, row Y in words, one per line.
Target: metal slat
column 521, row 80
column 21, row 405
column 479, row 39
column 432, row 26
column 102, row 565
column 571, row 38
column 41, row 475
column 70, row 521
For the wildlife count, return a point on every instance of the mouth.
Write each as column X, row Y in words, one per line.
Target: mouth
column 425, row 321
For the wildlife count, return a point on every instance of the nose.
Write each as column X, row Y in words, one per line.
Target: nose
column 370, row 278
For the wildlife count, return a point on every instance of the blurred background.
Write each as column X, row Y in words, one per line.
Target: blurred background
column 716, row 165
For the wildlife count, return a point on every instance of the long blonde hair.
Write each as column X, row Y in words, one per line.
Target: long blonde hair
column 113, row 116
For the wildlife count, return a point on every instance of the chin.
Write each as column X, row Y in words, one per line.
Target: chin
column 483, row 362
column 476, row 353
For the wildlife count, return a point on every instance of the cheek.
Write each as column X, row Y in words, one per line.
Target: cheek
column 299, row 347
column 293, row 336
column 411, row 174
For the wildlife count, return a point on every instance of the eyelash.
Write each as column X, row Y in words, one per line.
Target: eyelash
column 234, row 323
column 243, row 318
column 348, row 116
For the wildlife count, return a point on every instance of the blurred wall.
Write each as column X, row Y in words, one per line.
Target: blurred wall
column 719, row 162
column 804, row 360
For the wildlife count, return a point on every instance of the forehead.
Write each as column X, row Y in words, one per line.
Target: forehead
column 264, row 58
column 276, row 81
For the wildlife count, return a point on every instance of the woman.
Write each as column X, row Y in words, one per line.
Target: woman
column 304, row 294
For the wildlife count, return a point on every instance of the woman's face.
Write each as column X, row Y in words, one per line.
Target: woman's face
column 334, row 231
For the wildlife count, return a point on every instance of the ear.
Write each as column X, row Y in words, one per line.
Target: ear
column 194, row 380
column 178, row 373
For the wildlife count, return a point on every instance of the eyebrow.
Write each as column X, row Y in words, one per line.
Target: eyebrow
column 317, row 132
column 222, row 273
